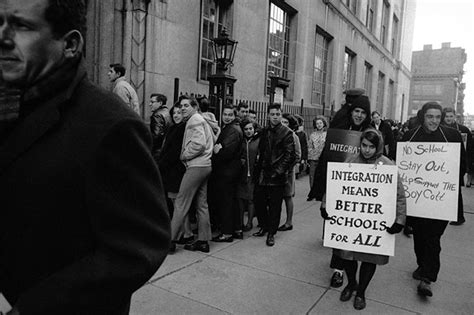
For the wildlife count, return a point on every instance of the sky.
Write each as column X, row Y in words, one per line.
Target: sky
column 439, row 21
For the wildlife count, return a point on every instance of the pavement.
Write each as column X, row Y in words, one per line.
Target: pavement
column 292, row 277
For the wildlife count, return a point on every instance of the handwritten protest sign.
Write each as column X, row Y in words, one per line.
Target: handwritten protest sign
column 361, row 203
column 341, row 144
column 430, row 177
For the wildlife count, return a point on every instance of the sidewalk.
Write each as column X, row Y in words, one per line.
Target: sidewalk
column 247, row 277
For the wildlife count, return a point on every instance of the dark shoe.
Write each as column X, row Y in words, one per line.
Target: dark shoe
column 417, row 274
column 285, row 227
column 201, row 246
column 346, row 294
column 270, row 240
column 337, row 279
column 359, row 303
column 460, row 222
column 260, row 233
column 247, row 227
column 407, row 231
column 221, row 238
column 172, row 248
column 238, row 235
column 185, row 240
column 424, row 288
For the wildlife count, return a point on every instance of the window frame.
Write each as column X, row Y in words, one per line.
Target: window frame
column 395, row 30
column 326, row 39
column 285, row 13
column 368, row 77
column 385, row 22
column 348, row 69
column 380, row 90
column 370, row 14
column 223, row 17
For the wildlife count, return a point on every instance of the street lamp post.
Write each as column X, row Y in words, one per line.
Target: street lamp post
column 221, row 84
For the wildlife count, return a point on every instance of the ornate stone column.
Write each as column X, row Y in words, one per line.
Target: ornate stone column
column 116, row 33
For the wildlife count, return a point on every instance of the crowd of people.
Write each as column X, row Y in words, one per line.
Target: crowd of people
column 242, row 167
column 88, row 189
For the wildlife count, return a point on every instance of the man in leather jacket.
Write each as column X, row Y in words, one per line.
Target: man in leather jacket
column 276, row 155
column 160, row 121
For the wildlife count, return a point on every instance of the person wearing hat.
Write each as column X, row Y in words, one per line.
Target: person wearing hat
column 427, row 232
column 357, row 117
column 351, row 95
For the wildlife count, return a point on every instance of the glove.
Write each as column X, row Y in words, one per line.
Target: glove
column 395, row 228
column 324, row 213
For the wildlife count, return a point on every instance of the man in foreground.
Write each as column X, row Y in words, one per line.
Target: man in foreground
column 84, row 221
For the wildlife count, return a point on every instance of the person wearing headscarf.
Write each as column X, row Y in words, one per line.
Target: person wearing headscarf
column 371, row 152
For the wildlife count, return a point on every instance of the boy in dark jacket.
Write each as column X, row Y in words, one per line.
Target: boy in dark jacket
column 276, row 156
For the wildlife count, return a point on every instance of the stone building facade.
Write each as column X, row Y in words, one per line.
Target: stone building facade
column 322, row 46
column 437, row 76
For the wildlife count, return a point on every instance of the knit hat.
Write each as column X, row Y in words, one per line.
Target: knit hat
column 363, row 102
column 352, row 94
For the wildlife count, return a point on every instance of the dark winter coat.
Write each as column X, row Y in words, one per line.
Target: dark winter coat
column 304, row 144
column 84, row 221
column 469, row 145
column 171, row 168
column 387, row 133
column 248, row 158
column 227, row 160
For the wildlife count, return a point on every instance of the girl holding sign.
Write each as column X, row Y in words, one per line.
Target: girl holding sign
column 371, row 150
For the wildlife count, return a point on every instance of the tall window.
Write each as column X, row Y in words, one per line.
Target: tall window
column 352, row 5
column 348, row 75
column 385, row 18
column 391, row 95
column 394, row 34
column 278, row 44
column 320, row 70
column 371, row 9
column 380, row 90
column 213, row 18
column 368, row 78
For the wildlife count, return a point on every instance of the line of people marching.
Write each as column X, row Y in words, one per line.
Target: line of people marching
column 215, row 174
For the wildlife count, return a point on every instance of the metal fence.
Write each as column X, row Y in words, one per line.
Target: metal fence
column 308, row 113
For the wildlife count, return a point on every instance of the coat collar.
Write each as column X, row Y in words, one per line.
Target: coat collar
column 43, row 116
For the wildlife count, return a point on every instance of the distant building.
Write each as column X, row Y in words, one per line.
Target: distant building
column 437, row 76
column 322, row 46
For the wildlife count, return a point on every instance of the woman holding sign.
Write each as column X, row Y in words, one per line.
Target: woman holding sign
column 371, row 152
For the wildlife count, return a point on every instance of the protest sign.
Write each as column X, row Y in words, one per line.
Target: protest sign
column 341, row 144
column 361, row 203
column 429, row 173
